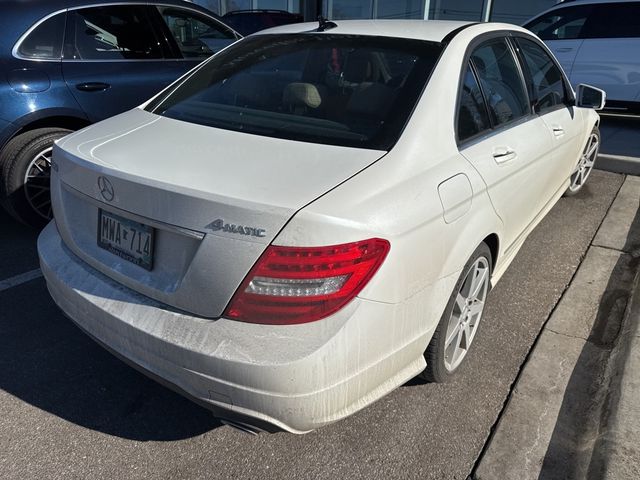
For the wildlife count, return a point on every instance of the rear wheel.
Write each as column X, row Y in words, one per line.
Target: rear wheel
column 585, row 164
column 25, row 174
column 460, row 321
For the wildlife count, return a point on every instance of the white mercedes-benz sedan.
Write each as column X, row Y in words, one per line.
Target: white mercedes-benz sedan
column 316, row 214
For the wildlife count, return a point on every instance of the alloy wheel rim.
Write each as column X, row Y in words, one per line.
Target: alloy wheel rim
column 36, row 183
column 466, row 314
column 585, row 164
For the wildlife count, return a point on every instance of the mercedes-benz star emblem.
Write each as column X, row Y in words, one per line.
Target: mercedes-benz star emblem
column 106, row 189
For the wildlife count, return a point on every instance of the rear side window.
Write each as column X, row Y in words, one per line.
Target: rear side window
column 45, row 41
column 561, row 24
column 195, row 35
column 614, row 20
column 118, row 32
column 501, row 82
column 545, row 78
column 472, row 114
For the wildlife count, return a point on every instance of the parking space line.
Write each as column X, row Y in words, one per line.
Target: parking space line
column 20, row 279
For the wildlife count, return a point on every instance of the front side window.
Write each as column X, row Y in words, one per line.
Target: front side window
column 562, row 24
column 334, row 89
column 45, row 41
column 501, row 82
column 546, row 82
column 196, row 35
column 472, row 113
column 117, row 32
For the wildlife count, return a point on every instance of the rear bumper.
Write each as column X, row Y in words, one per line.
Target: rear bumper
column 297, row 378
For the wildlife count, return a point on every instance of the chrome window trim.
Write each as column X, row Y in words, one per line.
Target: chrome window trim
column 16, row 47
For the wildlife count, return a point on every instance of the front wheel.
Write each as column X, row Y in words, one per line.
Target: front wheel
column 24, row 179
column 585, row 164
column 459, row 323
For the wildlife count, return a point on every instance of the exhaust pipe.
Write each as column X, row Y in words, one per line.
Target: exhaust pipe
column 240, row 426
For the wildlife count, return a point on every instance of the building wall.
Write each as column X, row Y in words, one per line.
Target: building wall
column 223, row 6
column 510, row 11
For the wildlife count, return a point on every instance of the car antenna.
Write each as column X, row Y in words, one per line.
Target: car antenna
column 325, row 24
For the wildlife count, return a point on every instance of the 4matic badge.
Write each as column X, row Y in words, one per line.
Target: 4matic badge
column 220, row 225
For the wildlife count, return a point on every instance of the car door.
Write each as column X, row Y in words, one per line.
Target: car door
column 192, row 36
column 552, row 101
column 513, row 155
column 114, row 59
column 562, row 31
column 35, row 75
column 609, row 58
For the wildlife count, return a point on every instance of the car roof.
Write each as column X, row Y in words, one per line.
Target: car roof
column 19, row 15
column 428, row 30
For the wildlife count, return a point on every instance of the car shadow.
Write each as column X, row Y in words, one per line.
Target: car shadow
column 47, row 362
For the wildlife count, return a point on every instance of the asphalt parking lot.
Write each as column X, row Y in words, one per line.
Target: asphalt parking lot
column 68, row 409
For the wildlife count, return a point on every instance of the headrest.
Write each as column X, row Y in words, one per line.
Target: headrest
column 303, row 95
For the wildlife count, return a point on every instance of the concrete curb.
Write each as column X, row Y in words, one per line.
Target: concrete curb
column 562, row 402
column 617, row 449
column 618, row 164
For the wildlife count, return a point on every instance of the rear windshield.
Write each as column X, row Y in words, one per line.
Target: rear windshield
column 334, row 89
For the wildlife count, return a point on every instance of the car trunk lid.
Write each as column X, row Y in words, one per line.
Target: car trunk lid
column 214, row 198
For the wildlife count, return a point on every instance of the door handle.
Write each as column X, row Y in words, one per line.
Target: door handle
column 564, row 49
column 504, row 154
column 558, row 131
column 92, row 86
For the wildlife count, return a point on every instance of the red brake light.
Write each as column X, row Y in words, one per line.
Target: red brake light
column 290, row 285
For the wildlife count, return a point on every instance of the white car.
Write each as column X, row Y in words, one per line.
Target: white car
column 597, row 42
column 316, row 214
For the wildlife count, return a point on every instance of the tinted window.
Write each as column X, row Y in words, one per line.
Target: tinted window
column 614, row 20
column 518, row 12
column 250, row 22
column 501, row 82
column 196, row 35
column 400, row 9
column 562, row 24
column 456, row 10
column 472, row 113
column 323, row 88
column 46, row 40
column 111, row 33
column 546, row 83
column 355, row 9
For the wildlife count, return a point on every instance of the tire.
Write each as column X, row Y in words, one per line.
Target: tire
column 442, row 363
column 585, row 164
column 25, row 154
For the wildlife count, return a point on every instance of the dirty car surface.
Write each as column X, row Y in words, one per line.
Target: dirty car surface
column 314, row 215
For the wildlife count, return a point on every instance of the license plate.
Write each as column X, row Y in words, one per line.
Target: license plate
column 131, row 241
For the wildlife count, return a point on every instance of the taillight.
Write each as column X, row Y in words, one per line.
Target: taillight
column 290, row 285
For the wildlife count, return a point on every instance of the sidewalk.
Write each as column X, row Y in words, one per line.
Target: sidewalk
column 575, row 409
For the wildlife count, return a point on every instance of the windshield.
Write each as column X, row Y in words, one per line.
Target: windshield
column 322, row 88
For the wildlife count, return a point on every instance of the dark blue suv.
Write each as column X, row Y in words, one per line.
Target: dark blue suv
column 67, row 64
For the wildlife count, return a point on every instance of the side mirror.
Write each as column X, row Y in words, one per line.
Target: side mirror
column 590, row 97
